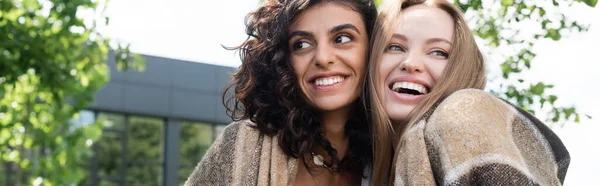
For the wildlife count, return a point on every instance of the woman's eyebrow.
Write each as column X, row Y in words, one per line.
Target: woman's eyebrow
column 299, row 33
column 342, row 27
column 438, row 40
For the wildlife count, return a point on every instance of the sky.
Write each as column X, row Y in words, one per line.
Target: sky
column 196, row 30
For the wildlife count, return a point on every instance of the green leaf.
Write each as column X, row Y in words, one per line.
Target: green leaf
column 538, row 89
column 542, row 12
column 542, row 101
column 591, row 3
column 92, row 132
column 556, row 115
column 568, row 112
column 505, row 70
column 507, row 2
column 552, row 98
column 377, row 3
column 553, row 34
column 476, row 4
column 31, row 4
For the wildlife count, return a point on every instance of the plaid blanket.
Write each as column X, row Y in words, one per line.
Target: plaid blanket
column 244, row 156
column 475, row 138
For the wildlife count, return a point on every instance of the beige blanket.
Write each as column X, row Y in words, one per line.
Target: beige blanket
column 243, row 156
column 474, row 138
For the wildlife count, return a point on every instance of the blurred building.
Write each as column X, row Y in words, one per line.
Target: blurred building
column 158, row 123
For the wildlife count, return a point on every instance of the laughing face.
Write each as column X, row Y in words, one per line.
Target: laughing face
column 328, row 44
column 414, row 59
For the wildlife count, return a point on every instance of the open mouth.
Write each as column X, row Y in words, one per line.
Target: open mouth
column 328, row 81
column 409, row 88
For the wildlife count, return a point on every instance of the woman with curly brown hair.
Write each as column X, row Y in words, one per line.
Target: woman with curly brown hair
column 297, row 99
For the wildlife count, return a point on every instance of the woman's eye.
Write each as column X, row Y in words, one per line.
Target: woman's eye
column 342, row 39
column 396, row 48
column 440, row 53
column 301, row 45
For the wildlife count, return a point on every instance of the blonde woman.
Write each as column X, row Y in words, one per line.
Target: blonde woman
column 426, row 77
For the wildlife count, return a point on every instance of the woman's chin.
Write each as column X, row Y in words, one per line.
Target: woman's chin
column 331, row 103
column 398, row 114
column 329, row 107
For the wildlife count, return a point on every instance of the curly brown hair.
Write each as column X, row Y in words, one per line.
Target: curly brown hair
column 265, row 88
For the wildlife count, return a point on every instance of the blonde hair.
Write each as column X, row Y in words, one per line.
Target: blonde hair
column 465, row 69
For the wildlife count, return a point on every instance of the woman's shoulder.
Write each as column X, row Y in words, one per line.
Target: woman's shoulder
column 220, row 160
column 472, row 130
column 245, row 124
column 471, row 106
column 231, row 131
column 472, row 100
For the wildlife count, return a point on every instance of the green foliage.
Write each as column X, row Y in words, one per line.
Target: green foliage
column 52, row 61
column 499, row 24
column 378, row 2
column 591, row 3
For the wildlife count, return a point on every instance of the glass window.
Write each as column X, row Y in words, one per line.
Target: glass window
column 148, row 175
column 145, row 151
column 84, row 117
column 140, row 140
column 195, row 139
column 145, row 139
column 3, row 172
column 108, row 183
column 110, row 148
column 13, row 173
column 112, row 121
column 109, row 154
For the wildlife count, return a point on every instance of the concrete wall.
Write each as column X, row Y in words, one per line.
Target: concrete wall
column 168, row 88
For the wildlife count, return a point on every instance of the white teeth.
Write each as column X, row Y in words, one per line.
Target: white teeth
column 326, row 81
column 409, row 85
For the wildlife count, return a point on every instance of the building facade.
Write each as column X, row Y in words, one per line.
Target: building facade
column 157, row 123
